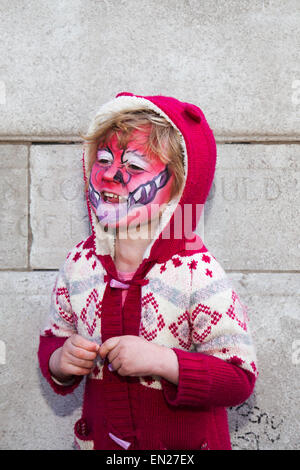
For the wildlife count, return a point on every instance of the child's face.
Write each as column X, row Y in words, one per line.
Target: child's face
column 138, row 177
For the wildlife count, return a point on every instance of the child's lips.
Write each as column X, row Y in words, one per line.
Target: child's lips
column 113, row 198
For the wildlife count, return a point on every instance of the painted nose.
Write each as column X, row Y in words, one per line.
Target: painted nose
column 113, row 173
column 119, row 177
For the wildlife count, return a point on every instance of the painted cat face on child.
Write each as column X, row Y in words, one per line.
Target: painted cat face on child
column 128, row 186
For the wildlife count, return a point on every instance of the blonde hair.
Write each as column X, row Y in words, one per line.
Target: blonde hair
column 164, row 140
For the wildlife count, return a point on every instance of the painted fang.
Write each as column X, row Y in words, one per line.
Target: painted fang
column 147, row 192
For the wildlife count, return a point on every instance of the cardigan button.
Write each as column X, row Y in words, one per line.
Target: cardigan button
column 81, row 427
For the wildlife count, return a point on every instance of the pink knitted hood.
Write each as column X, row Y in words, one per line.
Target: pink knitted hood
column 180, row 218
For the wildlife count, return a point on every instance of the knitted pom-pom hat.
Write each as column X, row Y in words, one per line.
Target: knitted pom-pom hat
column 199, row 150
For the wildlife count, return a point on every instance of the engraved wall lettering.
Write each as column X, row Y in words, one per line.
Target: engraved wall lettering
column 272, row 189
column 244, row 188
column 49, row 222
column 250, row 187
column 47, row 190
column 71, row 189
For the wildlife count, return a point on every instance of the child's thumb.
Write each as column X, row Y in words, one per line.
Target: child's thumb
column 108, row 345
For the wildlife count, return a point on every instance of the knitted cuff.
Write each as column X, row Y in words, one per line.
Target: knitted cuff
column 193, row 381
column 65, row 384
column 206, row 380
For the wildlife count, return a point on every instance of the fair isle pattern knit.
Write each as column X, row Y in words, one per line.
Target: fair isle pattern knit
column 208, row 317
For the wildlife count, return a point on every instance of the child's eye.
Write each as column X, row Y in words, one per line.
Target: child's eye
column 104, row 157
column 135, row 167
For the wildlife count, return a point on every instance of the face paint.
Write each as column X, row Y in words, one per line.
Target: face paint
column 128, row 184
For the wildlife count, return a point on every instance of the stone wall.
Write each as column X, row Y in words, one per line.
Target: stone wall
column 238, row 61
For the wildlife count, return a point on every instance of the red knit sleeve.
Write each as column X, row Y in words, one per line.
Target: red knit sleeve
column 59, row 326
column 207, row 381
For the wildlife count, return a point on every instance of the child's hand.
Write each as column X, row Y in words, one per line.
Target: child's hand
column 132, row 355
column 75, row 357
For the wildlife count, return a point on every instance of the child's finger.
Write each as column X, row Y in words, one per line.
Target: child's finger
column 81, row 353
column 114, row 365
column 81, row 342
column 108, row 345
column 74, row 370
column 83, row 364
column 112, row 355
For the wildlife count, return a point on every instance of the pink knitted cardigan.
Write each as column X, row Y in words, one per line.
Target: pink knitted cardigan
column 179, row 287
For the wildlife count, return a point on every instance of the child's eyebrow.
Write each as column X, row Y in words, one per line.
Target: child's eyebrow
column 106, row 148
column 139, row 154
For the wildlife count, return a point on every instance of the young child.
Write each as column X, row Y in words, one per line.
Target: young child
column 141, row 308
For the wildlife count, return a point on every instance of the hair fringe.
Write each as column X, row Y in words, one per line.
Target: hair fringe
column 164, row 140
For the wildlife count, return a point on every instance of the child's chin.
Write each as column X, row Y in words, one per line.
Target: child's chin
column 137, row 218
